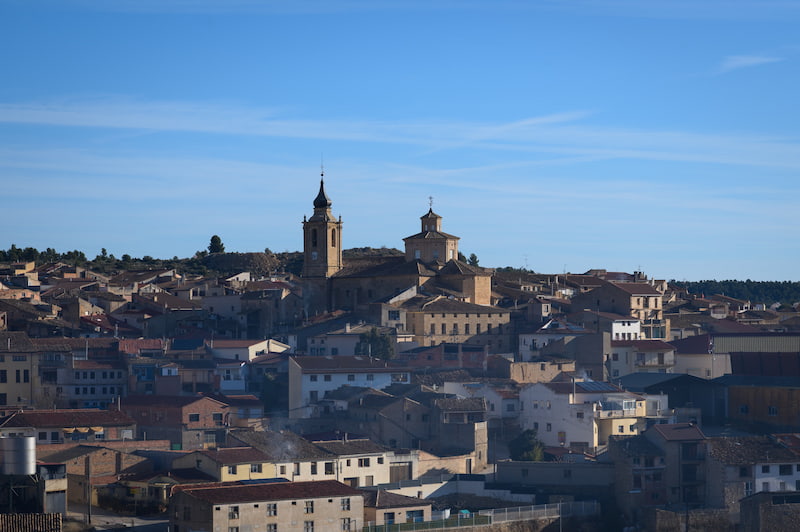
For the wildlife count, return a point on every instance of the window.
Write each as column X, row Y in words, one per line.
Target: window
column 309, row 508
column 549, row 427
column 765, row 469
column 765, row 486
column 272, row 527
column 272, row 509
column 194, row 418
column 233, row 512
column 308, row 526
column 255, row 468
column 231, row 469
column 351, row 377
column 748, row 489
column 345, row 523
column 233, row 529
column 217, row 417
column 345, row 502
column 42, row 435
column 772, row 410
column 297, row 468
column 363, row 462
column 370, row 377
column 329, row 468
column 579, row 415
column 313, row 468
column 621, row 429
column 282, row 470
column 785, row 469
column 326, row 378
column 312, row 378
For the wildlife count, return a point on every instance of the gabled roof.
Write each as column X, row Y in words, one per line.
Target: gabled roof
column 383, row 267
column 235, row 455
column 385, row 499
column 457, row 267
column 271, row 491
column 750, row 450
column 644, row 345
column 17, row 342
column 350, row 447
column 281, row 446
column 637, row 445
column 637, row 289
column 68, row 418
column 342, row 364
column 168, row 401
column 679, row 432
column 456, row 404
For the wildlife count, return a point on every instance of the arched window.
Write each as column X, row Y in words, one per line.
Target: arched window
column 333, row 238
column 313, row 238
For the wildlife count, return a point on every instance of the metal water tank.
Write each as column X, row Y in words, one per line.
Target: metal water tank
column 19, row 455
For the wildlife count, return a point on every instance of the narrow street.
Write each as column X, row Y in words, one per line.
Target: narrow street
column 103, row 519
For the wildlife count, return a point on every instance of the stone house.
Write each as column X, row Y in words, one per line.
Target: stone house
column 189, row 422
column 288, row 506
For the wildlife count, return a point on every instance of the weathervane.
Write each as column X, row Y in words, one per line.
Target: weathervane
column 430, row 202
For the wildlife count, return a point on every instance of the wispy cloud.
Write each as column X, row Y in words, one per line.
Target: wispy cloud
column 737, row 62
column 558, row 135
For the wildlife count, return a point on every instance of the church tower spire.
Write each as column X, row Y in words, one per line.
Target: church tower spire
column 322, row 238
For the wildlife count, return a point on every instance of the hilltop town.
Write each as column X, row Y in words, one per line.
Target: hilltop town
column 327, row 390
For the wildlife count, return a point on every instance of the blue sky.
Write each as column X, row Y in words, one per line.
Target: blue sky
column 558, row 136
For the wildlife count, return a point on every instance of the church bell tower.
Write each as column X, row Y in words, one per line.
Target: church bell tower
column 322, row 251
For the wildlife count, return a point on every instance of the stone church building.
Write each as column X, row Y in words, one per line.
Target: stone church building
column 429, row 267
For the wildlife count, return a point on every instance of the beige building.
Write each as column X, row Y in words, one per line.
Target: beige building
column 433, row 320
column 638, row 300
column 270, row 507
column 229, row 464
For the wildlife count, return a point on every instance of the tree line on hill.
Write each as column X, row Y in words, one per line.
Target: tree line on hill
column 785, row 293
column 215, row 261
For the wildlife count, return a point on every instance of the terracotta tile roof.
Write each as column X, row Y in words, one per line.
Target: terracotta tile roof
column 342, row 363
column 95, row 364
column 164, row 400
column 232, row 344
column 750, row 450
column 68, row 418
column 16, row 342
column 679, row 432
column 383, row 267
column 235, row 455
column 281, row 446
column 272, row 491
column 108, row 344
column 638, row 289
column 350, row 447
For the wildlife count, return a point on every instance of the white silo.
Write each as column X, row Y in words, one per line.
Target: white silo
column 19, row 455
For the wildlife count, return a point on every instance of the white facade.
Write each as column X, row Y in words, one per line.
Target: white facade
column 308, row 383
column 626, row 329
column 569, row 415
column 776, row 477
